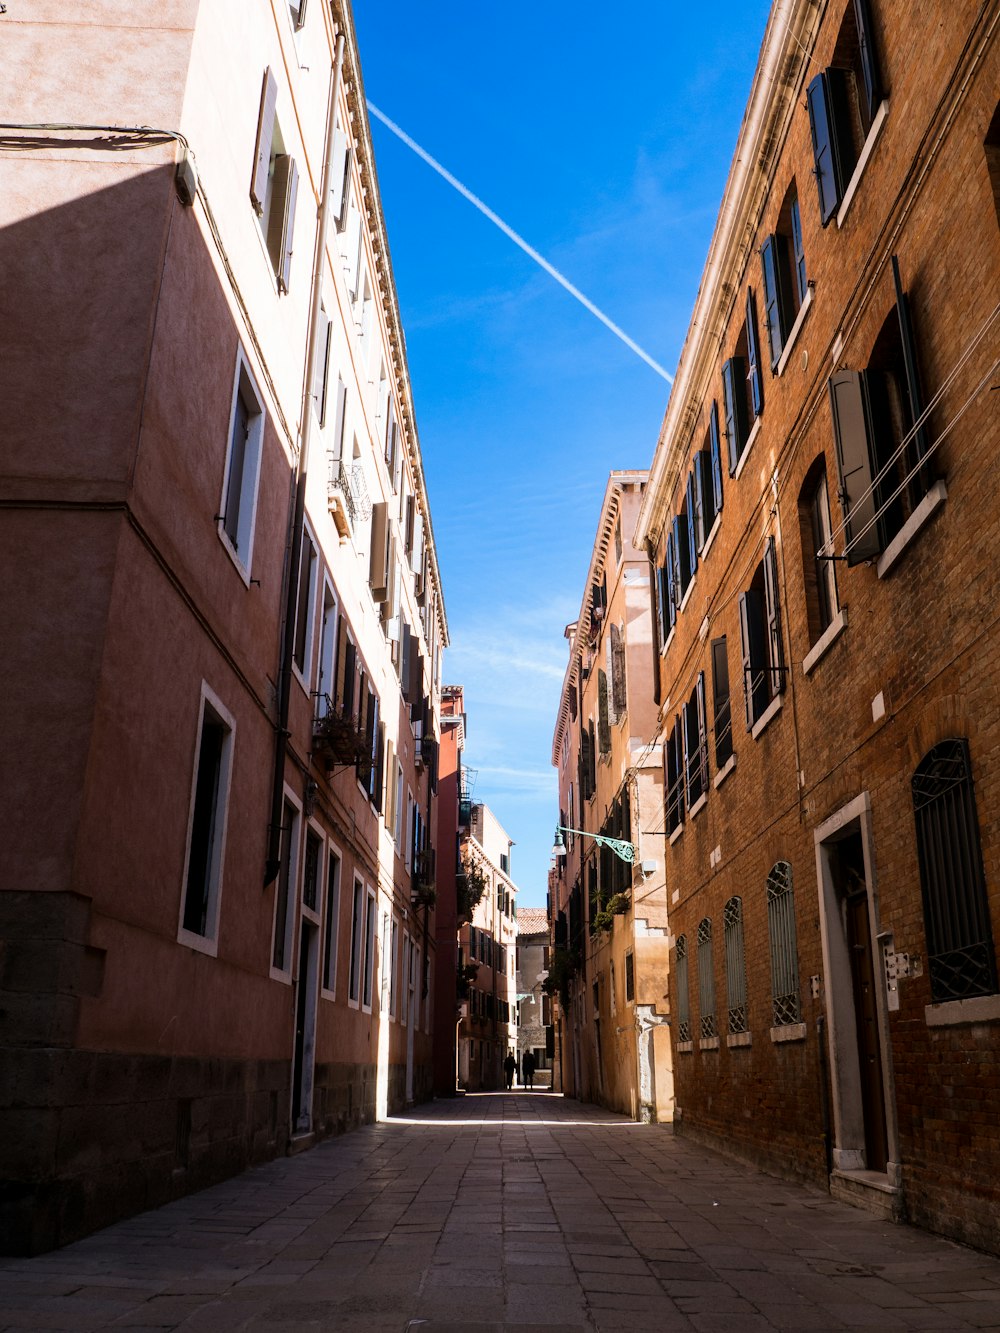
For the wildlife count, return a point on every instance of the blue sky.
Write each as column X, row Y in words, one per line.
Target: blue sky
column 606, row 148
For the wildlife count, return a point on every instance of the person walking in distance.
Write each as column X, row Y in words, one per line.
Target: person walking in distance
column 528, row 1069
column 509, row 1066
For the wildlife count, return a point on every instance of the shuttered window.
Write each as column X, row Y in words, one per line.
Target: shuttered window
column 754, row 648
column 701, row 489
column 706, row 979
column 691, row 514
column 695, row 742
column 823, row 124
column 722, row 723
column 870, row 91
column 961, row 955
column 779, row 310
column 603, row 721
column 262, row 149
column 783, row 945
column 850, row 403
column 755, row 376
column 673, row 779
column 736, row 967
column 734, row 402
column 379, row 571
column 683, row 572
column 619, row 699
column 715, row 449
column 772, row 606
column 670, row 575
column 302, row 647
column 681, row 989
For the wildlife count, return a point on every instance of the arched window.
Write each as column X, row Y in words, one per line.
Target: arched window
column 706, row 978
column 960, row 952
column 784, row 948
column 736, row 968
column 815, row 529
column 681, row 982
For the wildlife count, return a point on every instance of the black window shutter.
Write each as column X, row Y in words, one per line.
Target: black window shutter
column 265, row 137
column 670, row 570
column 772, row 596
column 921, row 440
column 721, row 709
column 754, row 374
column 734, row 401
column 716, row 448
column 869, row 58
column 852, row 433
column 603, row 720
column 687, row 757
column 288, row 226
column 699, row 694
column 777, row 306
column 754, row 655
column 661, row 611
column 827, row 175
column 700, row 485
column 692, row 525
column 682, row 556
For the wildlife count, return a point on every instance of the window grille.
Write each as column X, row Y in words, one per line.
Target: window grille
column 961, row 956
column 736, row 971
column 784, row 953
column 683, row 1000
column 706, row 978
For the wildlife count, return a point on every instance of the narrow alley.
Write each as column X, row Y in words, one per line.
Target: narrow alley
column 502, row 1211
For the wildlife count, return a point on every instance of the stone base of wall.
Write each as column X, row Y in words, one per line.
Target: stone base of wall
column 952, row 1209
column 770, row 1161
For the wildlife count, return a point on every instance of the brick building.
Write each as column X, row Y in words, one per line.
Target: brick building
column 449, row 815
column 222, row 612
column 609, row 962
column 822, row 513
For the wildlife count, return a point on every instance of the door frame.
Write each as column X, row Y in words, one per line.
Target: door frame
column 842, row 1042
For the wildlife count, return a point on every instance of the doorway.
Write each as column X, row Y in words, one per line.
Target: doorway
column 304, row 1060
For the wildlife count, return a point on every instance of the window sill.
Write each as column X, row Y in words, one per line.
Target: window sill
column 767, row 717
column 676, row 833
column 793, row 333
column 708, row 1044
column 713, row 533
column 724, row 772
column 231, row 551
column 978, row 1009
column 202, row 943
column 789, row 1032
column 687, row 594
column 859, row 170
column 922, row 515
column 685, row 1047
column 738, row 1039
column 699, row 804
column 755, row 431
column 825, row 641
column 666, row 642
column 276, row 974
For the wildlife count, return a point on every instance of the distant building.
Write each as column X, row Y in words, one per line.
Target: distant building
column 822, row 512
column 223, row 621
column 534, row 1005
column 608, row 966
column 449, row 813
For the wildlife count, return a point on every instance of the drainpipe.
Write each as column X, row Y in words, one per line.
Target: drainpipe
column 273, row 864
column 824, row 1091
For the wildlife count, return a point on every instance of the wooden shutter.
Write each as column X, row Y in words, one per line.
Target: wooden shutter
column 798, row 250
column 417, row 553
column 585, row 788
column 686, row 756
column 389, row 781
column 921, row 440
column 321, row 366
column 415, row 695
column 777, row 298
column 409, row 647
column 722, row 720
column 300, row 15
column 754, row 374
column 265, row 136
column 378, row 780
column 603, row 723
column 694, row 523
column 851, row 409
column 659, row 576
column 378, row 575
column 338, row 177
column 390, row 435
column 734, row 401
column 701, row 474
column 678, row 768
column 825, row 154
column 609, row 672
column 669, row 569
column 716, row 451
column 618, row 686
column 869, row 58
column 682, row 556
column 288, row 223
column 772, row 598
column 592, row 755
column 754, row 655
column 699, row 693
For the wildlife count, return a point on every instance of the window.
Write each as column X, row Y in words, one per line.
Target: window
column 246, row 434
column 706, row 979
column 357, row 928
column 322, row 353
column 618, row 541
column 681, row 983
column 736, row 969
column 302, row 647
column 603, row 718
column 673, row 778
column 705, row 483
column 992, row 148
column 505, row 863
column 760, row 635
column 616, row 657
column 682, row 551
column 783, row 265
column 394, row 970
column 961, row 956
column 882, row 436
column 331, row 931
column 207, row 821
column 722, row 720
column 784, row 949
column 284, row 898
column 369, row 964
column 327, row 686
column 298, row 13
column 341, row 177
column 743, row 385
column 842, row 102
column 311, row 872
column 629, row 977
column 274, row 185
column 695, row 742
column 820, row 569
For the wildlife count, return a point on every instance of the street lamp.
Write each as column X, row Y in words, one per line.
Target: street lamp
column 625, row 851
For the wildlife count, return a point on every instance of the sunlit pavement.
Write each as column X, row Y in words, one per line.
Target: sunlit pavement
column 506, row 1210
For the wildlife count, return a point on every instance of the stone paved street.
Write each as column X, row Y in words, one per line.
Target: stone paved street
column 504, row 1211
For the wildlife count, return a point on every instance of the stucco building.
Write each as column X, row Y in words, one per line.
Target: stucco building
column 822, row 514
column 447, row 917
column 608, row 968
column 223, row 621
column 535, row 1032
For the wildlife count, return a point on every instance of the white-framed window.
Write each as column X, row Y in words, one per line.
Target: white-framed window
column 331, row 921
column 282, row 939
column 357, row 942
column 206, row 831
column 237, row 517
column 274, row 185
column 406, row 978
column 397, row 828
column 368, row 966
column 312, row 873
column 305, row 602
column 326, row 685
column 394, row 970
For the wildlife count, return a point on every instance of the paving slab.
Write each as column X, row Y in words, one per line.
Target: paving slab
column 535, row 1212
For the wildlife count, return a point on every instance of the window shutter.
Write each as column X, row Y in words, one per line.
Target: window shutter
column 661, row 618
column 799, row 251
column 670, row 570
column 592, row 755
column 682, row 557
column 378, row 774
column 603, row 723
column 678, row 767
column 754, row 374
column 327, row 360
column 390, row 435
column 852, row 432
column 702, row 730
column 869, row 58
column 754, row 663
column 378, row 575
column 609, row 672
column 389, row 792
column 686, row 756
column 406, row 655
column 618, row 685
column 300, row 15
column 716, row 450
column 416, row 677
column 825, row 155
column 692, row 525
column 288, row 225
column 721, row 708
column 776, row 304
column 417, row 554
column 338, row 176
column 734, row 402
column 772, row 597
column 702, row 477
column 585, row 788
column 920, row 435
column 265, row 136
column 321, row 365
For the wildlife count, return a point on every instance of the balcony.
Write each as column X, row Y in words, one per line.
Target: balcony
column 347, row 496
column 423, row 890
column 338, row 739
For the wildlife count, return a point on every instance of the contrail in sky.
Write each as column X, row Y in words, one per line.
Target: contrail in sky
column 519, row 241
